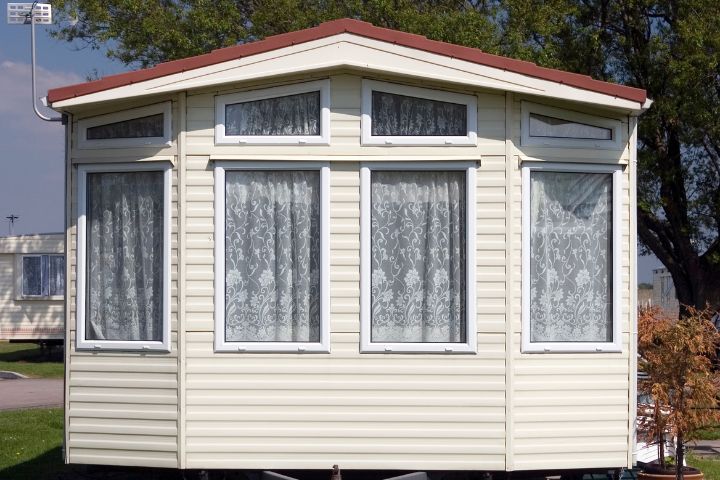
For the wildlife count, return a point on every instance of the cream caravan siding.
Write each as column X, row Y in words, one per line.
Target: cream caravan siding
column 24, row 319
column 121, row 408
column 495, row 410
column 359, row 411
column 568, row 410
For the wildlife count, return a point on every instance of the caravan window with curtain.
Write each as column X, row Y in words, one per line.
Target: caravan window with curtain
column 272, row 289
column 123, row 273
column 43, row 276
column 570, row 253
column 296, row 114
column 148, row 126
column 417, row 266
column 394, row 114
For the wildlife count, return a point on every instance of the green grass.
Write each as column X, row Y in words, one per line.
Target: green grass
column 29, row 360
column 31, row 449
column 709, row 467
column 30, row 443
column 709, row 433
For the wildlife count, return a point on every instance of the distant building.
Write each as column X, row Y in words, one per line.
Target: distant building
column 663, row 292
column 645, row 295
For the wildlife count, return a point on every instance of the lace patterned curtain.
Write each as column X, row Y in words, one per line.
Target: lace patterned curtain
column 56, row 277
column 401, row 115
column 124, row 256
column 272, row 256
column 418, row 257
column 571, row 257
column 150, row 126
column 289, row 115
column 543, row 126
column 32, row 276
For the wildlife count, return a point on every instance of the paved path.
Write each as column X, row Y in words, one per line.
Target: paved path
column 31, row 393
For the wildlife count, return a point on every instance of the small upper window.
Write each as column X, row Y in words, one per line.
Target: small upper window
column 43, row 276
column 293, row 114
column 403, row 115
column 150, row 126
column 549, row 126
column 139, row 127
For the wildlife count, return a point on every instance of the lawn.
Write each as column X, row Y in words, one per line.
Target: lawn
column 711, row 468
column 31, row 449
column 28, row 359
column 30, row 443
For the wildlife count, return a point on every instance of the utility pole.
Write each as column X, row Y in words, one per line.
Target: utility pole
column 11, row 223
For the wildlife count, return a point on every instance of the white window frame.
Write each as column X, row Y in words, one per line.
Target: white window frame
column 221, row 345
column 366, row 343
column 19, row 277
column 470, row 101
column 81, row 342
column 573, row 347
column 221, row 101
column 165, row 108
column 527, row 108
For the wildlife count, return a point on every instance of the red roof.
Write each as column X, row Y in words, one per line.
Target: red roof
column 355, row 27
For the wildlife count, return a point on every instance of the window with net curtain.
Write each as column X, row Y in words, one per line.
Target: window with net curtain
column 280, row 116
column 43, row 275
column 272, row 256
column 418, row 257
column 402, row 115
column 571, row 257
column 125, row 244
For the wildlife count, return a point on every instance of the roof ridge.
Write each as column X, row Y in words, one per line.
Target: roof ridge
column 355, row 27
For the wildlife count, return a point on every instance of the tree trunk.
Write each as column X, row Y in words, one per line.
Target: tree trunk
column 679, row 457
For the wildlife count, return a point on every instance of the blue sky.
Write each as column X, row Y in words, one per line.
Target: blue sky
column 32, row 178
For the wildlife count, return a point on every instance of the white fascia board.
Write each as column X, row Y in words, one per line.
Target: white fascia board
column 352, row 51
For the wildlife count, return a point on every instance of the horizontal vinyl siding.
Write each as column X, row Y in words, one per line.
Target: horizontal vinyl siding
column 316, row 410
column 122, row 407
column 569, row 410
column 27, row 319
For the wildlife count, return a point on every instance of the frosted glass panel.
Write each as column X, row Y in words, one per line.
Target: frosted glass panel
column 125, row 228
column 272, row 256
column 401, row 115
column 144, row 127
column 418, row 257
column 288, row 115
column 570, row 257
column 544, row 126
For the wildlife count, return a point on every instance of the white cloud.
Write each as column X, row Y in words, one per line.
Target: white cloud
column 16, row 93
column 32, row 157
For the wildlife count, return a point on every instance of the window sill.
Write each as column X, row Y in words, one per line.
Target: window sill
column 126, row 346
column 433, row 348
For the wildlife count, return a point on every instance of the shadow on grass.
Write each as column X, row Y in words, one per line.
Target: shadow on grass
column 32, row 354
column 50, row 466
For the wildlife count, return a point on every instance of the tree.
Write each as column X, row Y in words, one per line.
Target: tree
column 671, row 48
column 677, row 357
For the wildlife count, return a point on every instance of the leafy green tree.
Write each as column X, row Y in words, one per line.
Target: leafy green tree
column 671, row 48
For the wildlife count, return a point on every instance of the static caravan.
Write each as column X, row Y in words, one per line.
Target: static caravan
column 32, row 287
column 355, row 246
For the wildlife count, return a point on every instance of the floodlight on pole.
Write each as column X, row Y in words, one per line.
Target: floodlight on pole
column 32, row 13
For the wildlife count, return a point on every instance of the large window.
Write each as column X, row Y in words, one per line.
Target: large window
column 294, row 114
column 148, row 126
column 272, row 257
column 546, row 126
column 570, row 258
column 395, row 114
column 43, row 276
column 123, row 257
column 417, row 243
